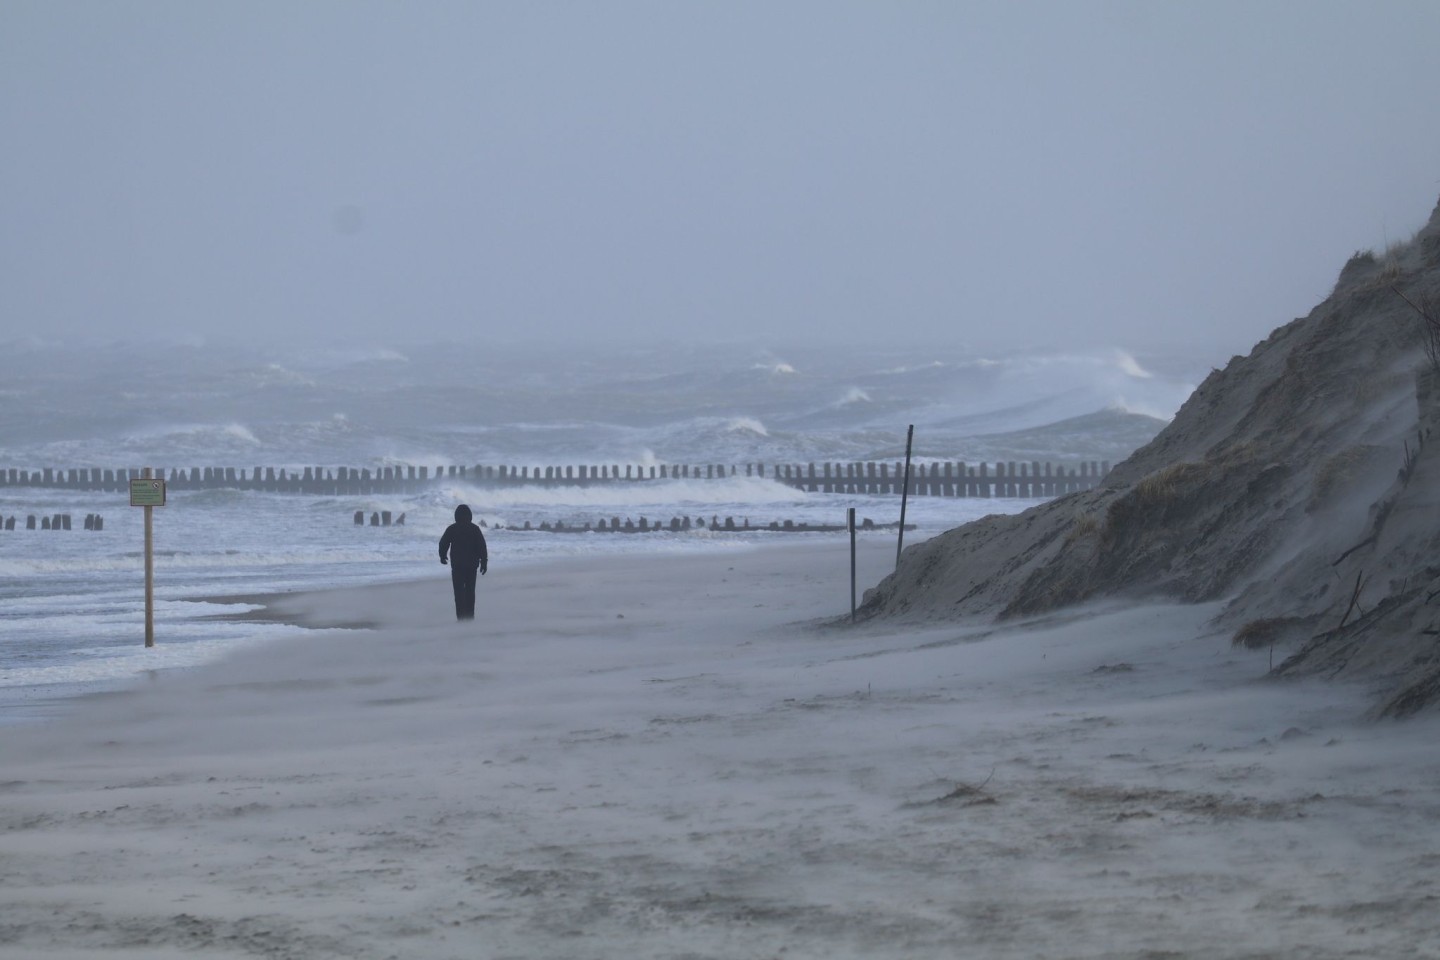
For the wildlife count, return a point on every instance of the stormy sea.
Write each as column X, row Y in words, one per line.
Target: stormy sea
column 72, row 602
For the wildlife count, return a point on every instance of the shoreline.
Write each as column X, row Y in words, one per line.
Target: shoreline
column 373, row 603
column 332, row 608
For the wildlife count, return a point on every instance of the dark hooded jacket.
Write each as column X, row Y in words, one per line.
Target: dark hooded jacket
column 463, row 541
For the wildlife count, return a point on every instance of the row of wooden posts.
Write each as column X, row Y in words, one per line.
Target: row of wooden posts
column 60, row 521
column 383, row 518
column 680, row 524
column 940, row 479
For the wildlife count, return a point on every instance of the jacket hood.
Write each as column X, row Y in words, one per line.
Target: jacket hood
column 462, row 514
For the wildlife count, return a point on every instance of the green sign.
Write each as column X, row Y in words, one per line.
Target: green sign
column 147, row 493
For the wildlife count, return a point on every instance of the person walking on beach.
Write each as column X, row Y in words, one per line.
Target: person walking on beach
column 465, row 546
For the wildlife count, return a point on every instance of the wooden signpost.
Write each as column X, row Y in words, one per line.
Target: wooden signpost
column 149, row 492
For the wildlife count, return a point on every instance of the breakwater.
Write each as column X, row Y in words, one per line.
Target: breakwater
column 938, row 479
column 644, row 525
column 59, row 521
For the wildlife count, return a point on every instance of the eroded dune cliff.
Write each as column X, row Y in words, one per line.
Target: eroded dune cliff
column 1301, row 483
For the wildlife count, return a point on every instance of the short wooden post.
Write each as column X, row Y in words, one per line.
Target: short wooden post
column 850, row 522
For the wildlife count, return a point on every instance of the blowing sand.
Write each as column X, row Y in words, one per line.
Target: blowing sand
column 670, row 757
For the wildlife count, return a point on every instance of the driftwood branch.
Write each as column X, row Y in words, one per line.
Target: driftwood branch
column 1354, row 598
column 1363, row 543
column 1410, row 457
column 1432, row 324
column 1396, row 290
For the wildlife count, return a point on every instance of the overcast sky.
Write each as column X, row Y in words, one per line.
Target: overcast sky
column 999, row 173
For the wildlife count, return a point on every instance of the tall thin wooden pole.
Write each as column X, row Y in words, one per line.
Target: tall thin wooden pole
column 850, row 522
column 904, row 494
column 149, row 570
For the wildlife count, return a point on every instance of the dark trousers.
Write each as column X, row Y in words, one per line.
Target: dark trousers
column 463, row 580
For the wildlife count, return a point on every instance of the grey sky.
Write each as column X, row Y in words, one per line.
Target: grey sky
column 1001, row 173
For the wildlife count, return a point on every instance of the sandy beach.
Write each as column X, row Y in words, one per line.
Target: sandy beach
column 684, row 757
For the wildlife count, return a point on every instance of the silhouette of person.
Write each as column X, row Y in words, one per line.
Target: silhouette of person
column 465, row 546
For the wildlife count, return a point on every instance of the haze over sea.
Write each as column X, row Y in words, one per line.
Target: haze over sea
column 71, row 603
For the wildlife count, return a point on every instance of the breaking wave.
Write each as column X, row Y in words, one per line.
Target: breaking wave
column 656, row 494
column 747, row 425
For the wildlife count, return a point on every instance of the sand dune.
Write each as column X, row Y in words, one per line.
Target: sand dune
column 1297, row 485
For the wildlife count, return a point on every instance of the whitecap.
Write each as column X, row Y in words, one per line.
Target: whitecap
column 660, row 495
column 241, row 432
column 897, row 371
column 274, row 373
column 747, row 425
column 195, row 432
